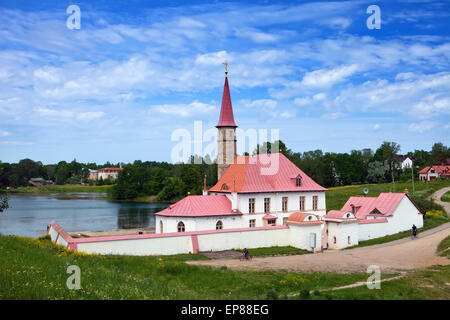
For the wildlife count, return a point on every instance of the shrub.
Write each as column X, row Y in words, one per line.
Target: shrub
column 304, row 294
column 436, row 213
column 272, row 294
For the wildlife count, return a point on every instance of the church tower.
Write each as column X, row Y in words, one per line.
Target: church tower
column 226, row 135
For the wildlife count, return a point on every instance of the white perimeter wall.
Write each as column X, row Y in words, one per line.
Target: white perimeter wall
column 296, row 236
column 342, row 231
column 369, row 231
column 300, row 236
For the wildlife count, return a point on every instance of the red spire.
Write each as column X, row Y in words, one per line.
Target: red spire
column 226, row 111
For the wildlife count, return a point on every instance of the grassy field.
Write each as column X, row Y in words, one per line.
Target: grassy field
column 61, row 189
column 275, row 251
column 36, row 269
column 446, row 197
column 443, row 248
column 426, row 284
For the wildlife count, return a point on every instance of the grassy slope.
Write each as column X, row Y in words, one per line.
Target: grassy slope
column 336, row 197
column 425, row 284
column 443, row 248
column 446, row 197
column 36, row 269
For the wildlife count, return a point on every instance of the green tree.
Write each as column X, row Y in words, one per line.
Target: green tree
column 439, row 153
column 173, row 189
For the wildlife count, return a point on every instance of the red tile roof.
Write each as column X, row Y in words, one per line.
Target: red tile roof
column 383, row 205
column 441, row 170
column 300, row 217
column 199, row 206
column 226, row 118
column 264, row 173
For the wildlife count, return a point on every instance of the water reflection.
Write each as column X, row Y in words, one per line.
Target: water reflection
column 30, row 215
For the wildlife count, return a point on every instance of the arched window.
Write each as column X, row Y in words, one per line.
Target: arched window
column 348, row 215
column 219, row 225
column 334, row 240
column 161, row 230
column 180, row 226
column 309, row 218
column 224, row 186
column 348, row 239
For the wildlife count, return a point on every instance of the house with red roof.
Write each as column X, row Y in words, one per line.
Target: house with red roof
column 364, row 218
column 434, row 172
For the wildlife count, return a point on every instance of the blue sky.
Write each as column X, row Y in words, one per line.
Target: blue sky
column 136, row 71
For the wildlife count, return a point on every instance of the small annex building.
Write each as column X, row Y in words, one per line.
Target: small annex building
column 364, row 218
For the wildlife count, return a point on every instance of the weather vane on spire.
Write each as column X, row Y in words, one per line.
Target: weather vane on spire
column 226, row 67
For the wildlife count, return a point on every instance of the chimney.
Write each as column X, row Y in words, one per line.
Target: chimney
column 205, row 192
column 234, row 198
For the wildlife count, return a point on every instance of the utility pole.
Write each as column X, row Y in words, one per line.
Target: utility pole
column 412, row 174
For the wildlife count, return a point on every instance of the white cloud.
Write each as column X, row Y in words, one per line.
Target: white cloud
column 4, row 133
column 325, row 78
column 259, row 104
column 376, row 127
column 422, row 126
column 184, row 110
column 65, row 115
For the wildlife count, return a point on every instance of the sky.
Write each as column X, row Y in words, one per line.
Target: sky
column 136, row 72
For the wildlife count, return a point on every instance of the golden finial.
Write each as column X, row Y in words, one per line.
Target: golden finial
column 226, row 67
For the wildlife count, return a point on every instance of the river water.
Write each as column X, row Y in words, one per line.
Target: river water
column 29, row 215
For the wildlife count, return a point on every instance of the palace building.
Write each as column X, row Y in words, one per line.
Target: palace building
column 258, row 201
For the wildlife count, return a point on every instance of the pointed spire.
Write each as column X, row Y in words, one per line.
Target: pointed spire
column 226, row 111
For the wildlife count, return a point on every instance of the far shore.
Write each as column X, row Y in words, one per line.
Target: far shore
column 67, row 189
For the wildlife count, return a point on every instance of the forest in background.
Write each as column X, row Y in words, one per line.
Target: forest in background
column 168, row 181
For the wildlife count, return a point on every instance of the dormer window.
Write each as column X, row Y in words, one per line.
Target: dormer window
column 224, row 187
column 298, row 181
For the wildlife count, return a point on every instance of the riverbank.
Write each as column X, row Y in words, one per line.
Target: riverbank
column 70, row 188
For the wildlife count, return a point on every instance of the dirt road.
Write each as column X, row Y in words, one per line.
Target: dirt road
column 403, row 254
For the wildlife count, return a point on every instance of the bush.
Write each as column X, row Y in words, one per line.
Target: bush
column 436, row 213
column 272, row 294
column 304, row 294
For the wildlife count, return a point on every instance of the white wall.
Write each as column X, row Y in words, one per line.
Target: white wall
column 140, row 247
column 342, row 231
column 404, row 216
column 369, row 231
column 300, row 236
column 276, row 201
column 170, row 224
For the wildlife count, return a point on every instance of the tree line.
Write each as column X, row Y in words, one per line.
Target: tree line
column 168, row 181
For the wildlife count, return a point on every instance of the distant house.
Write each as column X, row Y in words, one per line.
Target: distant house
column 39, row 182
column 93, row 174
column 405, row 161
column 111, row 173
column 434, row 172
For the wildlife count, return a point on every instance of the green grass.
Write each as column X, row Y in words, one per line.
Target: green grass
column 337, row 197
column 275, row 251
column 425, row 284
column 36, row 269
column 60, row 189
column 443, row 248
column 446, row 197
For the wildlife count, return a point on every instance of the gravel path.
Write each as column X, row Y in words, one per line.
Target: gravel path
column 399, row 255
